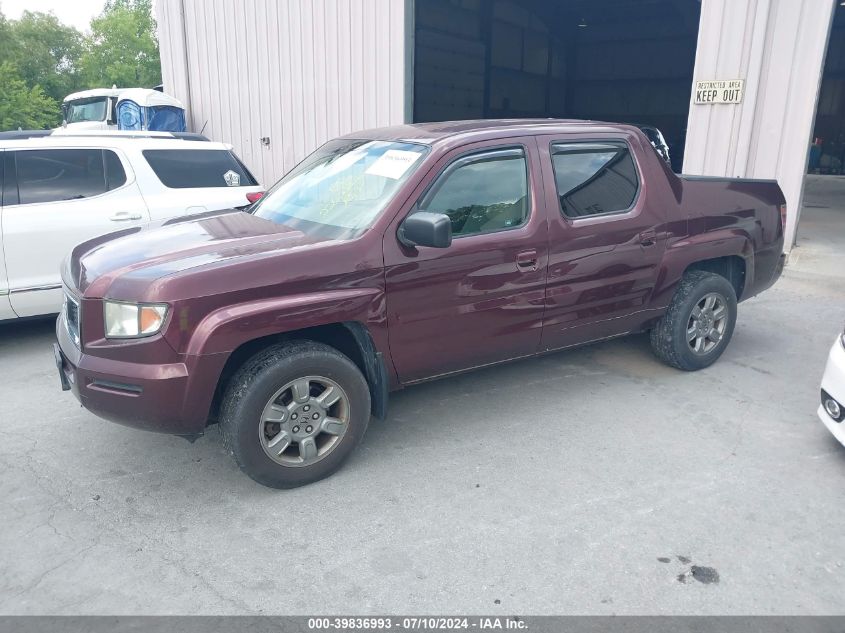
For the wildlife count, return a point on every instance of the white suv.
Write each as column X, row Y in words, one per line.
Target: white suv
column 60, row 190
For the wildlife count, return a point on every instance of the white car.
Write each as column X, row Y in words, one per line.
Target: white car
column 60, row 190
column 832, row 408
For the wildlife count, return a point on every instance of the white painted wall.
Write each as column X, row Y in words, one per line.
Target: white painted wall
column 778, row 47
column 298, row 72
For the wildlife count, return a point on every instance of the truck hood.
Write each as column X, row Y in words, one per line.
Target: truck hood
column 177, row 245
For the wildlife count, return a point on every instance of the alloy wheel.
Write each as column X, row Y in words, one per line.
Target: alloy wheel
column 304, row 421
column 707, row 323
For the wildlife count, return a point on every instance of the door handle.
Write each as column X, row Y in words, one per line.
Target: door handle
column 527, row 261
column 648, row 238
column 125, row 216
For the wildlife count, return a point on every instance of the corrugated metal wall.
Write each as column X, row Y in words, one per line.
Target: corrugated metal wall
column 778, row 47
column 295, row 72
column 299, row 72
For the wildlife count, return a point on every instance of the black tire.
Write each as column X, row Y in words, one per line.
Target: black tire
column 669, row 337
column 251, row 389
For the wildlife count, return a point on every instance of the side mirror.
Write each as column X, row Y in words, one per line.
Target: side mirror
column 426, row 229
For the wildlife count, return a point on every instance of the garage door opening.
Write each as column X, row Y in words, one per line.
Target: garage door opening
column 614, row 60
column 827, row 153
column 821, row 225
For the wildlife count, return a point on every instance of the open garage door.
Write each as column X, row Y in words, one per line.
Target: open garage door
column 614, row 60
column 827, row 154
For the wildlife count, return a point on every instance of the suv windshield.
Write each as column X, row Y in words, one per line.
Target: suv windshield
column 341, row 188
column 93, row 109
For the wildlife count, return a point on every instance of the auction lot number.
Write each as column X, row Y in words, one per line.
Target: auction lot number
column 414, row 623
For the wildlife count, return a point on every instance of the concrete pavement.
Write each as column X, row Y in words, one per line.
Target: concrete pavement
column 630, row 474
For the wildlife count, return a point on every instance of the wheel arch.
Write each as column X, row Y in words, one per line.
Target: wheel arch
column 351, row 338
column 726, row 253
column 731, row 267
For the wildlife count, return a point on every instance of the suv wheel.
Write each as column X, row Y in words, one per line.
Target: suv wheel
column 698, row 324
column 293, row 413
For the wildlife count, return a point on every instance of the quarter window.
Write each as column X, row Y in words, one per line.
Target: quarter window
column 52, row 175
column 115, row 175
column 594, row 179
column 194, row 168
column 482, row 193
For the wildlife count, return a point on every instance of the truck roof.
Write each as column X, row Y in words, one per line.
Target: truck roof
column 144, row 141
column 93, row 92
column 481, row 129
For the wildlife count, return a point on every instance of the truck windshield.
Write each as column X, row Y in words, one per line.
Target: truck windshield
column 93, row 109
column 340, row 189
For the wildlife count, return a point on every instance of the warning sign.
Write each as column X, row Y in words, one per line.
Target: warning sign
column 719, row 91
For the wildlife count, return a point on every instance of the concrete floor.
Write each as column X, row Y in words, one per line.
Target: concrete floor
column 636, row 473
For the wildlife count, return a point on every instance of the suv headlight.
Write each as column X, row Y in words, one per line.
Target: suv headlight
column 133, row 320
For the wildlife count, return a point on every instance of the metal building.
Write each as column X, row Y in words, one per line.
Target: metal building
column 276, row 78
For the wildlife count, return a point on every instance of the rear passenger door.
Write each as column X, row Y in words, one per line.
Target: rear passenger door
column 59, row 198
column 606, row 238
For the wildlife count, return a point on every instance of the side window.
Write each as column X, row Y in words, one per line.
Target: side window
column 59, row 174
column 115, row 174
column 482, row 193
column 594, row 178
column 190, row 168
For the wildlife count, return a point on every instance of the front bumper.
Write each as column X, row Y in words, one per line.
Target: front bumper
column 833, row 383
column 165, row 398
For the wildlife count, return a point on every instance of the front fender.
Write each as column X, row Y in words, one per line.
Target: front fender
column 226, row 329
column 223, row 330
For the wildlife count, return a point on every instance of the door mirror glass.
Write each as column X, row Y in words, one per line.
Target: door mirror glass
column 426, row 229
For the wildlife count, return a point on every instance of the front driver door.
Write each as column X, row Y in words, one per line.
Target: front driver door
column 480, row 300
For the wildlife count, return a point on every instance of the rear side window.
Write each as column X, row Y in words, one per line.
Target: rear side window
column 594, row 178
column 115, row 175
column 482, row 193
column 192, row 168
column 52, row 175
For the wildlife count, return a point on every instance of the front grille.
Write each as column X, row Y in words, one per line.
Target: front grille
column 71, row 310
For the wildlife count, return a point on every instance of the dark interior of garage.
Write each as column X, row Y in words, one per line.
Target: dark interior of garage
column 827, row 153
column 614, row 60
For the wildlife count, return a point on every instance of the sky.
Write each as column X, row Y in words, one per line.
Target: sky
column 76, row 13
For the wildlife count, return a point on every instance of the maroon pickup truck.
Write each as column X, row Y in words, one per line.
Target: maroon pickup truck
column 399, row 255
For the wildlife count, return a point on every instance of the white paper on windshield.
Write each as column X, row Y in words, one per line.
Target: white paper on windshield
column 393, row 163
column 347, row 160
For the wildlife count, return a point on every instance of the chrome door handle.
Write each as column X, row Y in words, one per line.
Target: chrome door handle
column 125, row 216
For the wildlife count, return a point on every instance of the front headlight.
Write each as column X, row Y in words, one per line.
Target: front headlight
column 133, row 320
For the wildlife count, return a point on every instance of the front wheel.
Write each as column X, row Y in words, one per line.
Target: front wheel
column 698, row 324
column 294, row 412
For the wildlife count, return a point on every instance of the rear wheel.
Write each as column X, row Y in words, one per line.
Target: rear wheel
column 294, row 412
column 698, row 324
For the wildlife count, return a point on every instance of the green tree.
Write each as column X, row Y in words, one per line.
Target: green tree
column 45, row 53
column 22, row 106
column 5, row 37
column 122, row 48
